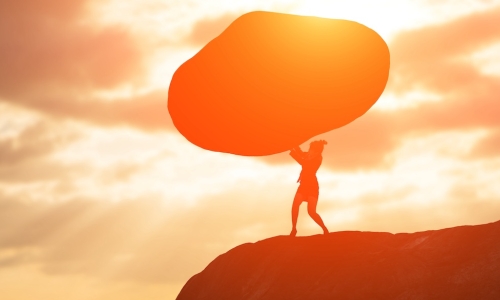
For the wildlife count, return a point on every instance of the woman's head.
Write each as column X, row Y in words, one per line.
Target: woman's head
column 317, row 146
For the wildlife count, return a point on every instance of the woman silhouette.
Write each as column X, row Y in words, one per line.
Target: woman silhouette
column 309, row 188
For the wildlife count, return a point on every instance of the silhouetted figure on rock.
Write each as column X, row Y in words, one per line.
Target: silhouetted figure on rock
column 309, row 188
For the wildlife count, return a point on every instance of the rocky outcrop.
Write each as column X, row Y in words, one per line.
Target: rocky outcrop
column 454, row 263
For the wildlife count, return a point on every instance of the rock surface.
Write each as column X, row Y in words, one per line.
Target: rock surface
column 455, row 263
column 272, row 81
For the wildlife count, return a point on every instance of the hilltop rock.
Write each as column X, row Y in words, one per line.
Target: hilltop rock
column 455, row 263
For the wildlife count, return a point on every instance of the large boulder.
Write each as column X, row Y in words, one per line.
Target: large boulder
column 272, row 81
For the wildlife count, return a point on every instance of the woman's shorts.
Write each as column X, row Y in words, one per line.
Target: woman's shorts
column 308, row 190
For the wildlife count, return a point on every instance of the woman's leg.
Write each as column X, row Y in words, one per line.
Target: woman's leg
column 311, row 209
column 295, row 212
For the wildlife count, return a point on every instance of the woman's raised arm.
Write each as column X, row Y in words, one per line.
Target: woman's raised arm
column 297, row 154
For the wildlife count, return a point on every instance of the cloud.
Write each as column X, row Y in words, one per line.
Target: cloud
column 50, row 48
column 487, row 147
column 363, row 144
column 53, row 59
column 204, row 30
column 33, row 142
column 430, row 217
column 426, row 57
column 148, row 112
column 27, row 156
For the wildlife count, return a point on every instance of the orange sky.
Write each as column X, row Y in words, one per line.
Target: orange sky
column 101, row 198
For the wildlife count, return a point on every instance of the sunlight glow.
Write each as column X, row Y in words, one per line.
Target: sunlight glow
column 487, row 60
column 390, row 101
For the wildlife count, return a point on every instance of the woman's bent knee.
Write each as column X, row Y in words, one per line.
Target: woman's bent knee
column 312, row 212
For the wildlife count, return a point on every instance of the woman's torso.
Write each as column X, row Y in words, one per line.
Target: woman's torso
column 310, row 166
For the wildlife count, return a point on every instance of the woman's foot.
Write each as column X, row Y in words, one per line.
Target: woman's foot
column 294, row 232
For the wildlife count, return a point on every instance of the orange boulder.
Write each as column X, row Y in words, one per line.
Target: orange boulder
column 271, row 81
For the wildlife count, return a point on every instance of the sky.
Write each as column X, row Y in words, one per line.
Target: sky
column 101, row 198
